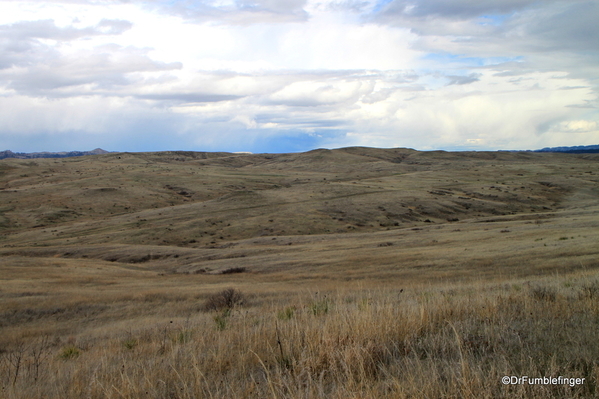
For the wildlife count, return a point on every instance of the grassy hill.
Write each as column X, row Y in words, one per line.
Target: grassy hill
column 181, row 201
column 98, row 250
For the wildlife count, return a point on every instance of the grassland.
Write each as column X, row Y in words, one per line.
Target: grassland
column 365, row 273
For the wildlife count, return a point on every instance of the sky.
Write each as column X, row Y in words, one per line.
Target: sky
column 294, row 75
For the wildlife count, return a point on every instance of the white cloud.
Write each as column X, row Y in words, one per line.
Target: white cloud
column 315, row 93
column 494, row 112
column 292, row 75
column 578, row 126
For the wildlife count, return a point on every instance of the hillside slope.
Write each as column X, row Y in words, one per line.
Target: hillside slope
column 197, row 211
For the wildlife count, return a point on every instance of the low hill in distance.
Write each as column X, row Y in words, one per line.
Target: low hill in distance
column 581, row 149
column 589, row 149
column 64, row 154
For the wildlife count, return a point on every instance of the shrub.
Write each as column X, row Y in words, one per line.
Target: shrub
column 590, row 291
column 542, row 293
column 319, row 307
column 70, row 352
column 226, row 299
column 221, row 320
column 287, row 313
column 130, row 343
column 233, row 270
column 183, row 336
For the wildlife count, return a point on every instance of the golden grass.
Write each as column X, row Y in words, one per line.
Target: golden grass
column 453, row 340
column 366, row 273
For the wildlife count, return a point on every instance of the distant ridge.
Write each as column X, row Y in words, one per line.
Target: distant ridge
column 588, row 149
column 64, row 154
column 579, row 149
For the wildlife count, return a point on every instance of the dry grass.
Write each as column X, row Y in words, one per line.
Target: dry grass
column 364, row 273
column 442, row 341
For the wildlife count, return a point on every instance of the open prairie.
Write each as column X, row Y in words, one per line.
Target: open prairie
column 357, row 273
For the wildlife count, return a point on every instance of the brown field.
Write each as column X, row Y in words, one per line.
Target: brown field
column 362, row 273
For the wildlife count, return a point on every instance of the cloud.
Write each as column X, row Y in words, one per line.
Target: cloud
column 108, row 67
column 499, row 27
column 277, row 6
column 237, row 12
column 463, row 80
column 456, row 9
column 318, row 93
column 490, row 113
column 271, row 75
column 571, row 28
column 188, row 97
column 130, row 124
column 47, row 29
column 36, row 61
column 25, row 43
column 113, row 26
column 578, row 126
column 319, row 110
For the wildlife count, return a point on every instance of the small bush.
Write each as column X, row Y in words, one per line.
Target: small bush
column 287, row 313
column 319, row 307
column 69, row 352
column 130, row 343
column 226, row 299
column 590, row 291
column 233, row 270
column 183, row 336
column 221, row 319
column 543, row 293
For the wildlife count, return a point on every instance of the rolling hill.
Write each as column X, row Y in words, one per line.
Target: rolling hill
column 190, row 211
